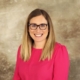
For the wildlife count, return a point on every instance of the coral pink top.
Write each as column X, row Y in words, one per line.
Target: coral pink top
column 57, row 68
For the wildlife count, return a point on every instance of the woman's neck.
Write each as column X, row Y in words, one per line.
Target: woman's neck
column 39, row 45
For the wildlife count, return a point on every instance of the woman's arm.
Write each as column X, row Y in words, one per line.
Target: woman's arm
column 61, row 64
column 16, row 74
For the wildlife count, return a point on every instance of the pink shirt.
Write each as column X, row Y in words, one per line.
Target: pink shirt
column 56, row 68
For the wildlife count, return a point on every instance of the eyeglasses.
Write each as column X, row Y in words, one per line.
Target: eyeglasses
column 34, row 26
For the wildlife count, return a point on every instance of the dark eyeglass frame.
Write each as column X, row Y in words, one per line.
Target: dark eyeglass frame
column 38, row 26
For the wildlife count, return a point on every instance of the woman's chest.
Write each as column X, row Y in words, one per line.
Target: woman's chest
column 35, row 70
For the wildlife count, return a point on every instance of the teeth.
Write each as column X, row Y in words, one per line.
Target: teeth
column 38, row 35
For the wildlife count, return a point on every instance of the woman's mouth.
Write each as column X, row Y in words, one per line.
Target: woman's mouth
column 38, row 35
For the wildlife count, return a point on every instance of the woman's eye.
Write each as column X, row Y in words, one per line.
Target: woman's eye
column 33, row 25
column 42, row 25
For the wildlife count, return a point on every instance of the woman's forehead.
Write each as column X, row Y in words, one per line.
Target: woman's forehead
column 38, row 19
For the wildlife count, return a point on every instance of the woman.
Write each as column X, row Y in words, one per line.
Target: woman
column 40, row 57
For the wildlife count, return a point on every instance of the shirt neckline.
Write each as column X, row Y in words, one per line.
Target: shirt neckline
column 36, row 48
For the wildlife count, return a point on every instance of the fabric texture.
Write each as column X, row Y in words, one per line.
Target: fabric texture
column 57, row 68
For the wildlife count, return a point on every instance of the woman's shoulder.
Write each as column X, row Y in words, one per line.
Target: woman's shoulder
column 61, row 52
column 59, row 45
column 19, row 48
column 18, row 51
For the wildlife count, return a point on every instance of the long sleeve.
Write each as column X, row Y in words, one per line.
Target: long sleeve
column 16, row 74
column 61, row 64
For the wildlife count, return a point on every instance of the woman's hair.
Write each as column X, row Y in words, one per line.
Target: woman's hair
column 27, row 41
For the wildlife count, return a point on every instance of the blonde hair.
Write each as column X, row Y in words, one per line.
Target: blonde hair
column 27, row 41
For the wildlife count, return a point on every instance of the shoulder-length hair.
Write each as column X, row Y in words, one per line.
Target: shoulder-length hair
column 27, row 41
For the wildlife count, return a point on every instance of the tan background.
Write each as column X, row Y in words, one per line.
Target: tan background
column 65, row 15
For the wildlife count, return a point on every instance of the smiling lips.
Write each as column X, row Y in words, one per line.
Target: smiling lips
column 38, row 35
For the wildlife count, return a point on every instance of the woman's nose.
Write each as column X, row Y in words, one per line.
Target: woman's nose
column 38, row 29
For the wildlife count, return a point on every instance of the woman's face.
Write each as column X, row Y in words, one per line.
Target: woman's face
column 38, row 29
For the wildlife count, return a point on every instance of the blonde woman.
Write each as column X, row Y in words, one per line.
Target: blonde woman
column 39, row 56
